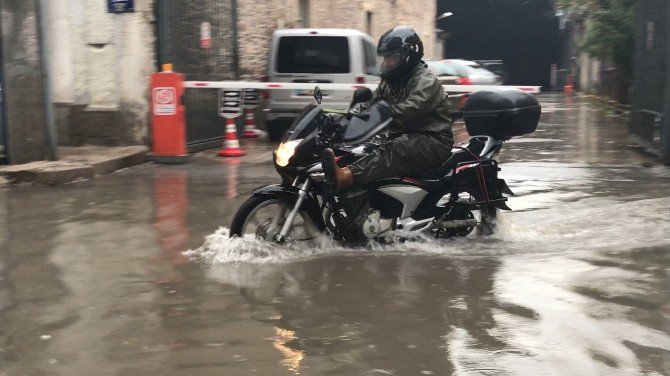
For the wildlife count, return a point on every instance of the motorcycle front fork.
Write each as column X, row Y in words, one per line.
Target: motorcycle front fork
column 288, row 224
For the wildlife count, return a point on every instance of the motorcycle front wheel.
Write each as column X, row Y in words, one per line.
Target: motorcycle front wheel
column 263, row 217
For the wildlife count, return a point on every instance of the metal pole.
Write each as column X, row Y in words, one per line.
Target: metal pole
column 162, row 11
column 52, row 139
column 3, row 118
column 236, row 48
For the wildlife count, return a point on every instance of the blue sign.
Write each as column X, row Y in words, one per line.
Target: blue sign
column 120, row 6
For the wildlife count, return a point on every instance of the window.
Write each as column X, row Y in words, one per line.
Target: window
column 313, row 54
column 368, row 22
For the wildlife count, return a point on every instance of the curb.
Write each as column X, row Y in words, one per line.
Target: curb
column 74, row 166
column 605, row 101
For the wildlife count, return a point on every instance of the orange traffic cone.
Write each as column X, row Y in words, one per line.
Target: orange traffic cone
column 231, row 146
column 250, row 130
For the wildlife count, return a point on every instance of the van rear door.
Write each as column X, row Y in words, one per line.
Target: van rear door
column 315, row 59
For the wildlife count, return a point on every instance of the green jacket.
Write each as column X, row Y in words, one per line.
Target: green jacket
column 419, row 105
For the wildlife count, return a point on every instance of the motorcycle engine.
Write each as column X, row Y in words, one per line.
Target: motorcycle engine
column 374, row 224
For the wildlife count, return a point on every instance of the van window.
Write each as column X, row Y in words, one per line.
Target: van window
column 313, row 54
column 370, row 58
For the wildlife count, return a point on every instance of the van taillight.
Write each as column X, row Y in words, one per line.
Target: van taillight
column 360, row 79
column 265, row 94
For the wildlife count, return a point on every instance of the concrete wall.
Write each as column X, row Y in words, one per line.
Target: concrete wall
column 100, row 67
column 23, row 89
column 259, row 18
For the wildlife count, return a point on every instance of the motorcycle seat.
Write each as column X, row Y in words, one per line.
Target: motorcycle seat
column 458, row 156
column 427, row 184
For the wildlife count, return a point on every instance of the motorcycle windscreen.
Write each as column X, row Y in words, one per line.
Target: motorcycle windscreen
column 368, row 123
column 305, row 124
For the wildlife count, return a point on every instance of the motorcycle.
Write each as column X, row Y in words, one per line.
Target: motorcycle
column 460, row 196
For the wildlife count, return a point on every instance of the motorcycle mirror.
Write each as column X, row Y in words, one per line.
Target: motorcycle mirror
column 318, row 95
column 362, row 94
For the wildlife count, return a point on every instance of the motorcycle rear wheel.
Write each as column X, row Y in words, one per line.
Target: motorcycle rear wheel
column 263, row 217
column 487, row 215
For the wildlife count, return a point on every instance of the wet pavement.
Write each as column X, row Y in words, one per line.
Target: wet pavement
column 94, row 279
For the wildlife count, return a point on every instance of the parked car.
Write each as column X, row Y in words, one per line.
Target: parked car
column 444, row 72
column 468, row 63
column 449, row 74
column 472, row 73
column 316, row 56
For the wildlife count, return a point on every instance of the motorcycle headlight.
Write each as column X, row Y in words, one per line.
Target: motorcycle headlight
column 285, row 151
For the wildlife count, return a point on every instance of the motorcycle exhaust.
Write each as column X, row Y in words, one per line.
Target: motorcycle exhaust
column 459, row 223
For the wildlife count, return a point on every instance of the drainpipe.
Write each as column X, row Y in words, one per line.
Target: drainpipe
column 162, row 9
column 41, row 10
column 236, row 47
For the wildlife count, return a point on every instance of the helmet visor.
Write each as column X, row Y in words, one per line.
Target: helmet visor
column 390, row 62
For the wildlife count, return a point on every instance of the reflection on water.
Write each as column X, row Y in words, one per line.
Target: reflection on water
column 171, row 201
column 292, row 357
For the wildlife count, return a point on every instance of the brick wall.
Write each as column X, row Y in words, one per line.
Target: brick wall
column 258, row 19
column 650, row 71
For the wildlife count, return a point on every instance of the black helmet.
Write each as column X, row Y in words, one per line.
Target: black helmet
column 401, row 50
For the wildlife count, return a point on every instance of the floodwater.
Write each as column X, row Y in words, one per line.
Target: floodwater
column 133, row 274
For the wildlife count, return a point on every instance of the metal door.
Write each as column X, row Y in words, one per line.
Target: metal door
column 200, row 40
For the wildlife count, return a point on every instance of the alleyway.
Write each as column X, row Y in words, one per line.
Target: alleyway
column 94, row 279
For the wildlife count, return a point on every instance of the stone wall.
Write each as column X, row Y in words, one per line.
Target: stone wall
column 23, row 88
column 258, row 19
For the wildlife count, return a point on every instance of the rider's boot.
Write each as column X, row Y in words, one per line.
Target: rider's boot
column 340, row 177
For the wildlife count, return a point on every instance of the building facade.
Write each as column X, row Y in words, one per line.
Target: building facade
column 98, row 62
column 259, row 18
column 99, row 66
column 650, row 117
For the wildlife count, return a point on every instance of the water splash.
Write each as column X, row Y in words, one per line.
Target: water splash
column 587, row 224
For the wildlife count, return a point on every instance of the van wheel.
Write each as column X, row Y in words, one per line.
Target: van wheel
column 276, row 129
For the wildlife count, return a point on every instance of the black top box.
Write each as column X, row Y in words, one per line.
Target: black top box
column 501, row 114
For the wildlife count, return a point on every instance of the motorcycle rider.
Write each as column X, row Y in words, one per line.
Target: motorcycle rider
column 420, row 136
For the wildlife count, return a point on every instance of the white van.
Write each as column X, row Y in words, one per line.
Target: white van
column 315, row 56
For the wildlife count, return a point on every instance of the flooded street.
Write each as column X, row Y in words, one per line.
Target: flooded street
column 133, row 274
